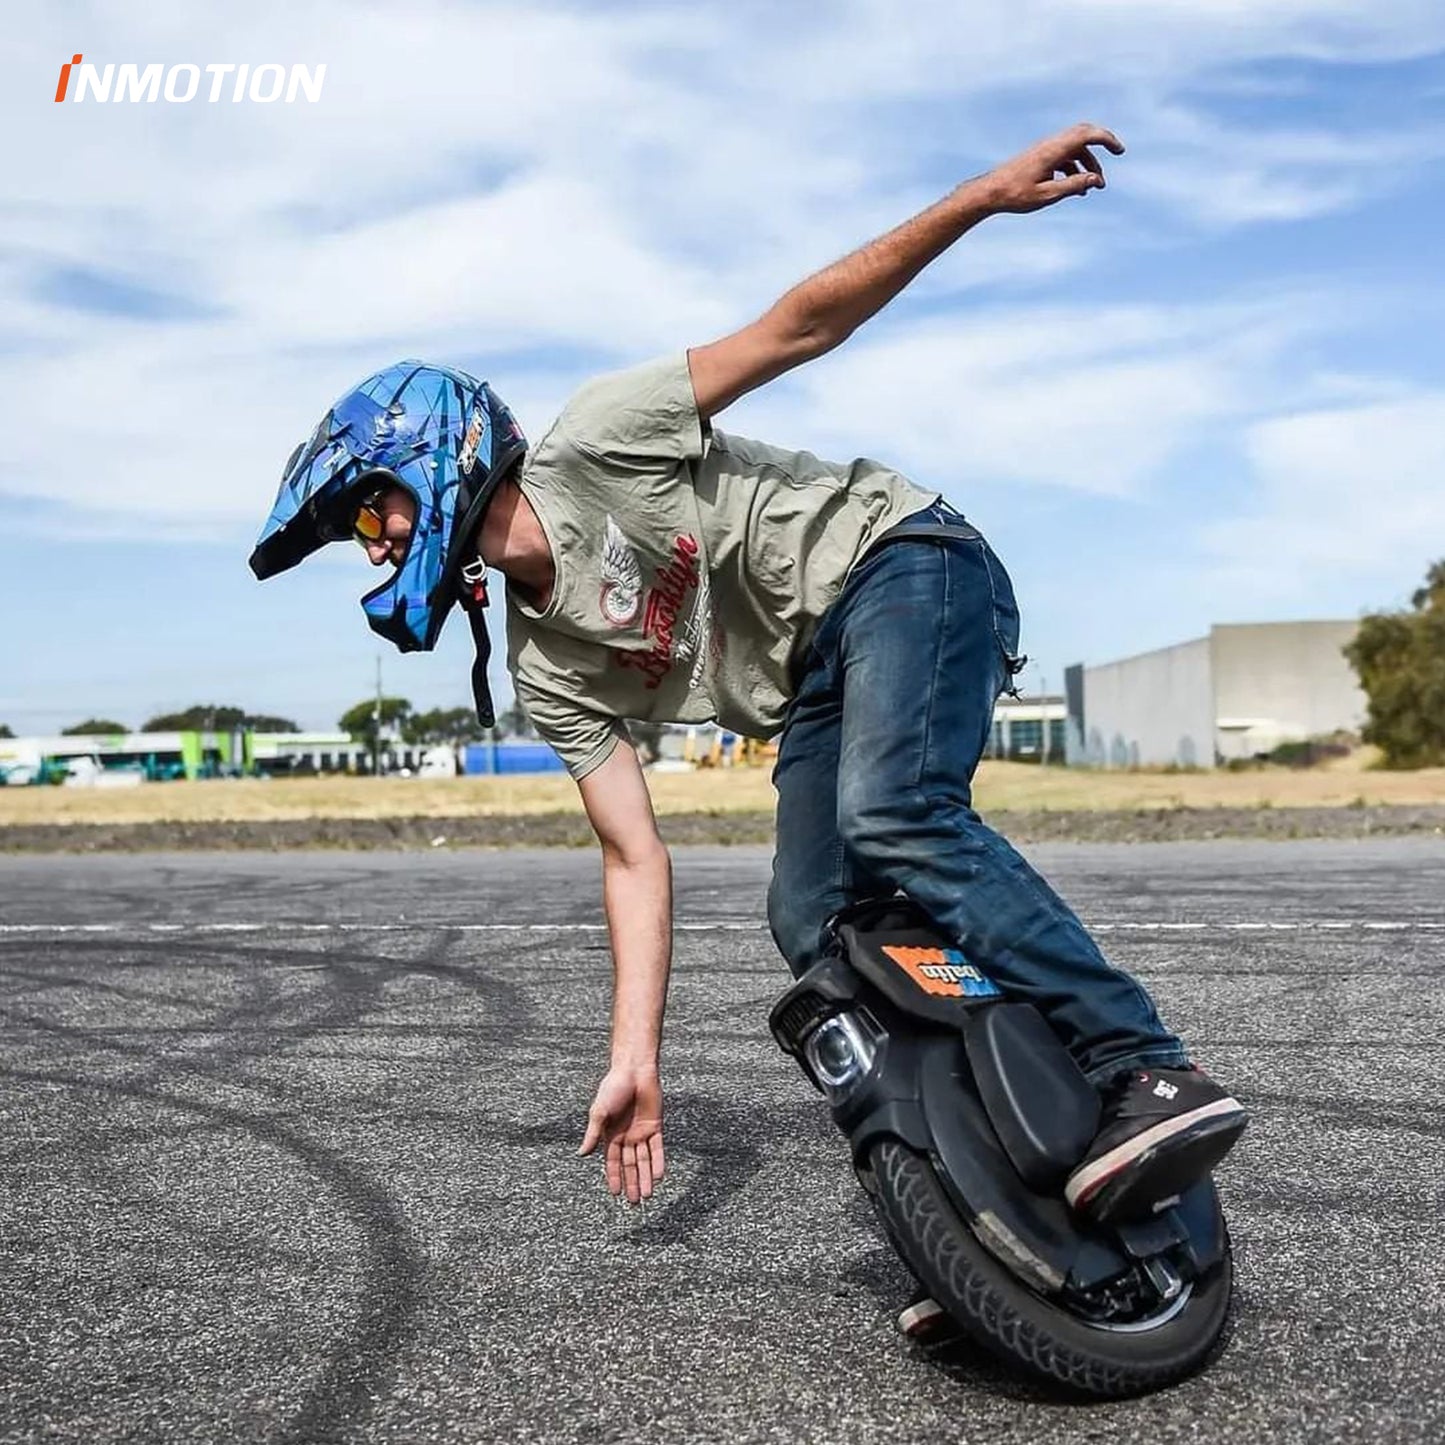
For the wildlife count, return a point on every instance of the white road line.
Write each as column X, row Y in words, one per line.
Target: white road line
column 285, row 925
column 1307, row 925
column 1310, row 925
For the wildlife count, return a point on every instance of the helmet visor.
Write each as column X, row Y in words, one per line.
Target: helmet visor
column 350, row 454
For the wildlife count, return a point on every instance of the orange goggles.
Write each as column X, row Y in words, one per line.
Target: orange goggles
column 368, row 525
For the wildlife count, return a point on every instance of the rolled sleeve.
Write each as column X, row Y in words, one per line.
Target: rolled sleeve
column 647, row 412
column 583, row 739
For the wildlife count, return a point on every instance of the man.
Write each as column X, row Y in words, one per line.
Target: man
column 660, row 569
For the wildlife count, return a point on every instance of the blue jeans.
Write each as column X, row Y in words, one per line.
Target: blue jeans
column 893, row 710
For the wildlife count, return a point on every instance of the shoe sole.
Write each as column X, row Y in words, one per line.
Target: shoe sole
column 1144, row 1173
column 924, row 1320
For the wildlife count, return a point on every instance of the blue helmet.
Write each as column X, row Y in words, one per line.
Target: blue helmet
column 442, row 435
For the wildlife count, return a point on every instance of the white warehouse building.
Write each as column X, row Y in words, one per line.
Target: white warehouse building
column 1239, row 692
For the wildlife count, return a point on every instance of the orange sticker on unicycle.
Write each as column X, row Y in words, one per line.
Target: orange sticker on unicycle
column 942, row 971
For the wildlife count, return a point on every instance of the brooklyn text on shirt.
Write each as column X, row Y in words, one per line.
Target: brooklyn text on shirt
column 665, row 598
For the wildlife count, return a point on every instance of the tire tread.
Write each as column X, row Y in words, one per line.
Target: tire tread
column 986, row 1301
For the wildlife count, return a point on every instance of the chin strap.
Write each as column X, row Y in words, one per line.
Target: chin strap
column 473, row 587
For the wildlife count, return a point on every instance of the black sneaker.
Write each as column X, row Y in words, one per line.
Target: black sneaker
column 1162, row 1130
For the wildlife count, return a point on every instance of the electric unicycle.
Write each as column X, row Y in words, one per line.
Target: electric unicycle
column 964, row 1115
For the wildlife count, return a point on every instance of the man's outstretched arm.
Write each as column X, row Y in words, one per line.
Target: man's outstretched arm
column 827, row 308
column 626, row 1115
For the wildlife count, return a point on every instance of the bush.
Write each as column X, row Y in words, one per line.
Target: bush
column 1310, row 752
column 1400, row 659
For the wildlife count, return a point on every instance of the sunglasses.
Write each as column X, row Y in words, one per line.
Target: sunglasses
column 368, row 525
column 363, row 520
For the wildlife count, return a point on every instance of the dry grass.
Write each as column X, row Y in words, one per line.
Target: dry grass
column 1001, row 786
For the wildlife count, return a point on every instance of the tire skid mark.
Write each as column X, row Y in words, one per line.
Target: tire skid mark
column 1340, row 1207
column 45, row 982
column 733, row 1147
column 204, row 1063
column 360, row 1363
column 1408, row 1118
column 172, row 889
column 88, row 1147
column 508, row 999
column 253, row 1025
column 259, row 1026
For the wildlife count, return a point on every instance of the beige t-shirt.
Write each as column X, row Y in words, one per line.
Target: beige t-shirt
column 692, row 566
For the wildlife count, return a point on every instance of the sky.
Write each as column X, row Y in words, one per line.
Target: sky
column 1213, row 392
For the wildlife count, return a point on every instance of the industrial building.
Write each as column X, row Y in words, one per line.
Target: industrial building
column 1237, row 693
column 1029, row 730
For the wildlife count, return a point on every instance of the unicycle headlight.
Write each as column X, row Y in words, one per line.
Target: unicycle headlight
column 841, row 1052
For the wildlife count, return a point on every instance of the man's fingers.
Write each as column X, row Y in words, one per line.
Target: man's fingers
column 596, row 1127
column 629, row 1173
column 631, row 1142
column 1083, row 164
column 1050, row 191
column 1088, row 134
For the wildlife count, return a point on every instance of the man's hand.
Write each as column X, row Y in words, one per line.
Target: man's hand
column 1063, row 165
column 626, row 1115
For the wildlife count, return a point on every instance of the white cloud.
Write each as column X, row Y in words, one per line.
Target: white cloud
column 469, row 266
column 1095, row 399
column 876, row 47
column 593, row 184
column 1224, row 176
column 1351, row 495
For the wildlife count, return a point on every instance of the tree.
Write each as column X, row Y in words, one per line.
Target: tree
column 1400, row 659
column 443, row 726
column 1432, row 594
column 359, row 722
column 5, row 731
column 264, row 722
column 209, row 717
column 97, row 726
column 513, row 722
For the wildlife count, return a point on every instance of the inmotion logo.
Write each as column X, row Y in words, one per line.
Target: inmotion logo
column 181, row 83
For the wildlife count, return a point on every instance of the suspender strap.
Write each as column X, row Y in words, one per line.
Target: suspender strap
column 931, row 532
column 481, row 692
column 472, row 587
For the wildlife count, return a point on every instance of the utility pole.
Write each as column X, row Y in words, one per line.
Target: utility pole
column 1044, row 723
column 376, row 724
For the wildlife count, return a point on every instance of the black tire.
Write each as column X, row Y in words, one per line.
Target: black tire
column 1017, row 1325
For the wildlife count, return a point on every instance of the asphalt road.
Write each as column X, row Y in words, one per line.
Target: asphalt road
column 288, row 1156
